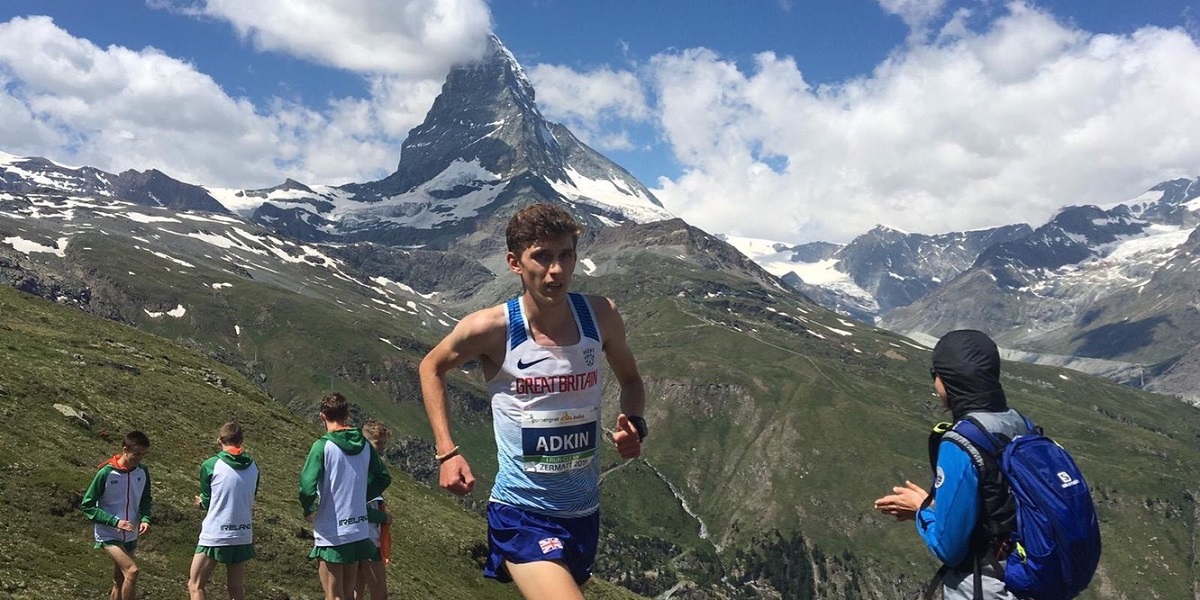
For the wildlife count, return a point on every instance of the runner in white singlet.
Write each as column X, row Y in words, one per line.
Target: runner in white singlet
column 228, row 486
column 540, row 358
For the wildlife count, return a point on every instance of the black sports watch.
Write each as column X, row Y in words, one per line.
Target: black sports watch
column 640, row 425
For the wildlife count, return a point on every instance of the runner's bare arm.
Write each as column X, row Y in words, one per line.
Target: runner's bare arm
column 476, row 336
column 624, row 367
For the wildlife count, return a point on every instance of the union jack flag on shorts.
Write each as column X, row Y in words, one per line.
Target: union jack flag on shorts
column 550, row 544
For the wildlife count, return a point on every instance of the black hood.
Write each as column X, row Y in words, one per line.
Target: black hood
column 969, row 364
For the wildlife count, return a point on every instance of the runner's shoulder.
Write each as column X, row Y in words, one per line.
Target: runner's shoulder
column 485, row 323
column 605, row 310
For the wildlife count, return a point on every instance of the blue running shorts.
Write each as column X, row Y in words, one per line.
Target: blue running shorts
column 521, row 536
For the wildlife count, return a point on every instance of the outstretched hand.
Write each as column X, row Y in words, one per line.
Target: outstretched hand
column 904, row 502
column 455, row 476
column 629, row 444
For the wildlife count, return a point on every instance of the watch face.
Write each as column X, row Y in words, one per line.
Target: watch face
column 639, row 424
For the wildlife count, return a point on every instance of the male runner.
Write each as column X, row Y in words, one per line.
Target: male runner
column 372, row 577
column 539, row 357
column 118, row 502
column 341, row 472
column 228, row 484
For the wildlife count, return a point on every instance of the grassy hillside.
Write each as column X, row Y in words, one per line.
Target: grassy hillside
column 774, row 423
column 785, row 417
column 123, row 379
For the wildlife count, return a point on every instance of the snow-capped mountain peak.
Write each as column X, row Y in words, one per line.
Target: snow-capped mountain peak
column 483, row 149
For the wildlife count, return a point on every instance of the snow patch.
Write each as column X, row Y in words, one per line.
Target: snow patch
column 841, row 332
column 611, row 195
column 144, row 218
column 384, row 281
column 25, row 246
column 176, row 312
column 167, row 257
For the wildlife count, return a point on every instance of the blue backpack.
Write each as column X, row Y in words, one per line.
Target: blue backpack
column 1055, row 547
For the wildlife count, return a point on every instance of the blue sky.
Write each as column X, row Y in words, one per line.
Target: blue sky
column 784, row 119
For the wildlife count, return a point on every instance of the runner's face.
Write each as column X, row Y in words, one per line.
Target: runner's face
column 546, row 267
column 132, row 456
column 380, row 444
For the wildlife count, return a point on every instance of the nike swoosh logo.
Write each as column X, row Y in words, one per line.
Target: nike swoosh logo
column 525, row 365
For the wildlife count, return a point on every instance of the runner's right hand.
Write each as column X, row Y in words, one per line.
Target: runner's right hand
column 455, row 476
column 124, row 525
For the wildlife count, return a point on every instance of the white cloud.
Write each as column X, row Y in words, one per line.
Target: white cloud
column 400, row 104
column 591, row 103
column 117, row 108
column 573, row 95
column 413, row 38
column 980, row 125
column 975, row 129
column 916, row 13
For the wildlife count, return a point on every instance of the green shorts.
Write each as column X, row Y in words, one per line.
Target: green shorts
column 129, row 546
column 347, row 553
column 228, row 555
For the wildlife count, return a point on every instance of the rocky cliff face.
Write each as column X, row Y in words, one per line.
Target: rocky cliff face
column 483, row 150
column 1116, row 284
column 32, row 175
column 486, row 114
column 898, row 268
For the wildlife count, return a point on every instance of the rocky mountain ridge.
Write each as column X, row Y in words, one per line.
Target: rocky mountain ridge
column 1104, row 285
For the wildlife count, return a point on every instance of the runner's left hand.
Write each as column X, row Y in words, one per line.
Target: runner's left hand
column 629, row 445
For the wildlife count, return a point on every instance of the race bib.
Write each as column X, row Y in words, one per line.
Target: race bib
column 558, row 441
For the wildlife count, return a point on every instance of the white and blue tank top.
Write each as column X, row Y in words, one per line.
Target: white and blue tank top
column 546, row 416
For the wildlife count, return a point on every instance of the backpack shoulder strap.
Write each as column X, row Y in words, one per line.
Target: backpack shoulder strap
column 983, row 449
column 1030, row 425
column 974, row 432
column 979, row 444
column 935, row 441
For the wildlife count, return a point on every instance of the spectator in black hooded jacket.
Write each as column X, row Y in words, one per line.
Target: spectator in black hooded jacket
column 966, row 376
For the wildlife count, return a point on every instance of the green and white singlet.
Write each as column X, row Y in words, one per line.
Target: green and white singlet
column 116, row 494
column 228, row 483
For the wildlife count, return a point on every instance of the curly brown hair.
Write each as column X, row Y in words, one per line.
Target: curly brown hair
column 538, row 222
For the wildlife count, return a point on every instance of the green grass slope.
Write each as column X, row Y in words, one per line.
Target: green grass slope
column 770, row 414
column 123, row 379
column 774, row 423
